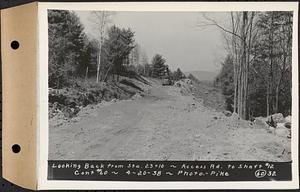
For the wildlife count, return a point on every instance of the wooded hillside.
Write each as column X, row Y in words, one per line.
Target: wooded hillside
column 256, row 74
column 114, row 53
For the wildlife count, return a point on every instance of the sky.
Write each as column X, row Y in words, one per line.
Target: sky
column 174, row 35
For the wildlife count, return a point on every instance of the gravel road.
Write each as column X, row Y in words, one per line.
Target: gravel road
column 164, row 124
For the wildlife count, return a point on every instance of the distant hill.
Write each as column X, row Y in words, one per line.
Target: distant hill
column 203, row 75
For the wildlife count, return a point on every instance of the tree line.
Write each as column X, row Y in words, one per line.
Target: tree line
column 113, row 53
column 256, row 76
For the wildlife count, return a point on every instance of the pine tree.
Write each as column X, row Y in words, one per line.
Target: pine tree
column 66, row 44
column 158, row 66
column 178, row 74
column 118, row 46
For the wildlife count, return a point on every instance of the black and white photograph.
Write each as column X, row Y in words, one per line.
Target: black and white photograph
column 171, row 94
column 170, row 85
column 168, row 95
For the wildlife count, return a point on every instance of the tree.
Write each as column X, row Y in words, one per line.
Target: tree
column 148, row 70
column 158, row 66
column 178, row 74
column 66, row 44
column 144, row 63
column 260, row 47
column 100, row 19
column 225, row 80
column 89, row 65
column 118, row 46
column 273, row 50
column 239, row 40
column 135, row 55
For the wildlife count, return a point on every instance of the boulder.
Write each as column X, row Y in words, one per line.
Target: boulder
column 288, row 119
column 227, row 113
column 114, row 100
column 136, row 96
column 277, row 118
column 260, row 122
column 280, row 125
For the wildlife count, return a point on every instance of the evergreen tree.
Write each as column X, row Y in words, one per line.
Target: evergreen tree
column 225, row 81
column 261, row 53
column 158, row 66
column 66, row 44
column 117, row 47
column 178, row 74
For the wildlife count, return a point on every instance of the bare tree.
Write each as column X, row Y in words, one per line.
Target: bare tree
column 239, row 43
column 135, row 55
column 144, row 61
column 235, row 27
column 285, row 50
column 101, row 20
column 275, row 45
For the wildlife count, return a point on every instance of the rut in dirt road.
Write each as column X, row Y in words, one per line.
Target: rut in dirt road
column 164, row 124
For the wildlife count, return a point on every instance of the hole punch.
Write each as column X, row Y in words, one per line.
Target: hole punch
column 15, row 45
column 16, row 148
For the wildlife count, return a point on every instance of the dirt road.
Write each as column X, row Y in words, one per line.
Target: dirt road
column 163, row 125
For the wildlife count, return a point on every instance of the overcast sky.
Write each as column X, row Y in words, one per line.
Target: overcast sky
column 173, row 35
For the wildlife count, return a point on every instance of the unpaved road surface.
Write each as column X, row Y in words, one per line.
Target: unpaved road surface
column 162, row 125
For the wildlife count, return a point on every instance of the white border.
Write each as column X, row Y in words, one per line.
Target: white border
column 42, row 91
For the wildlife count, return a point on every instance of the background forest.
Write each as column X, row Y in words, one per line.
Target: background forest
column 72, row 55
column 255, row 76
